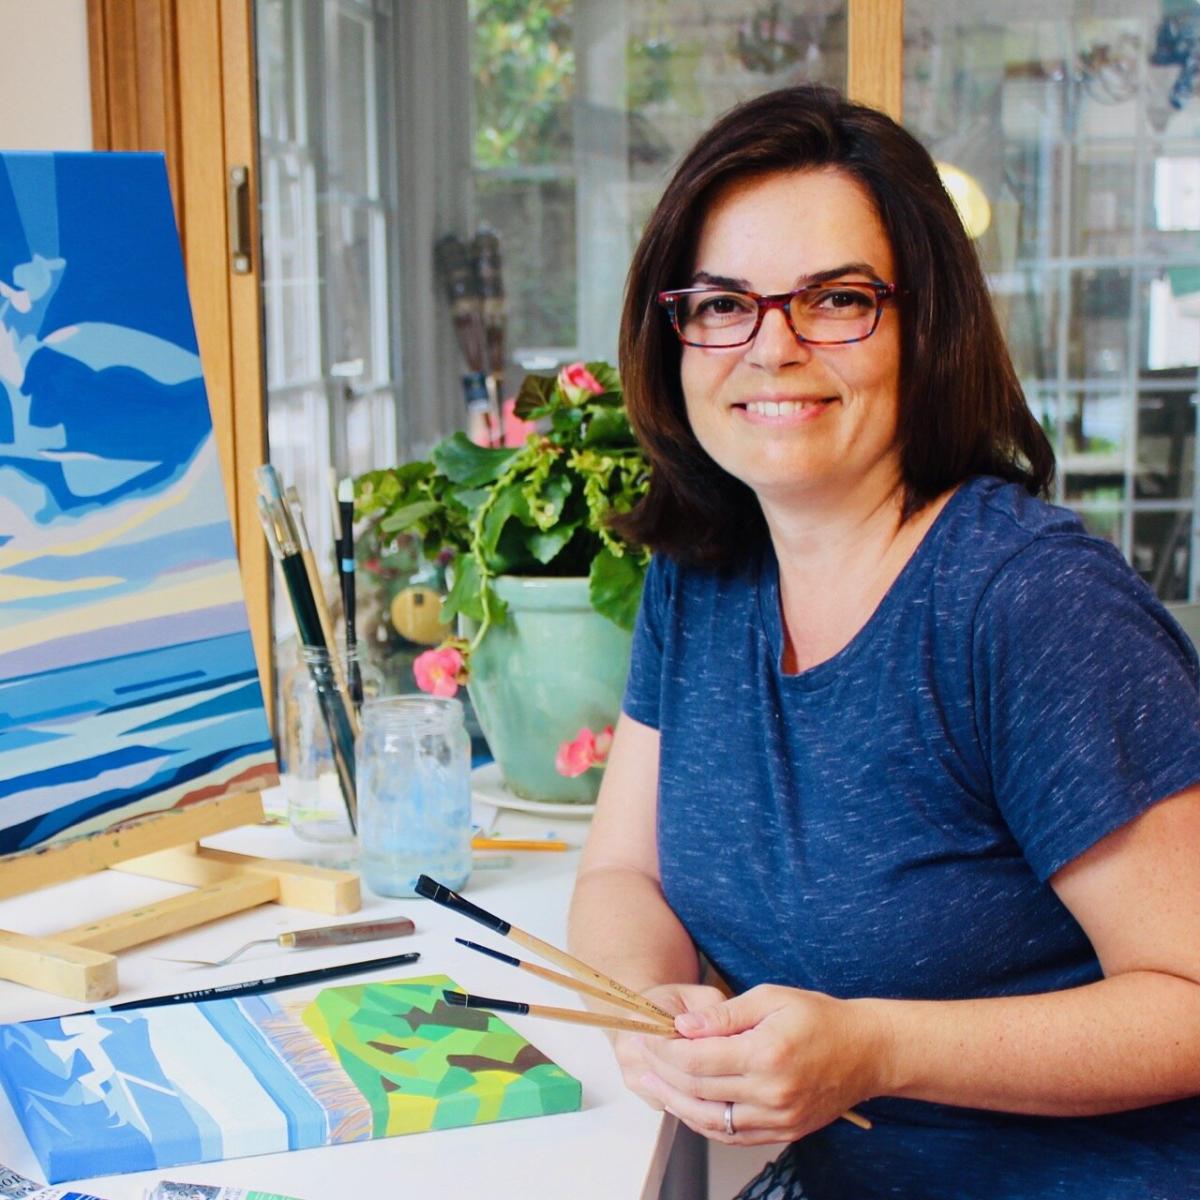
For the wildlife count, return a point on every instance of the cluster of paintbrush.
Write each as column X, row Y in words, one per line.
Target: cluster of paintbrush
column 287, row 535
column 470, row 275
column 580, row 978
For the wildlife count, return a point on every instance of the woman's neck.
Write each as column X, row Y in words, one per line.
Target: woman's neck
column 837, row 563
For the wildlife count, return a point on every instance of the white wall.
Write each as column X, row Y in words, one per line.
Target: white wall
column 44, row 99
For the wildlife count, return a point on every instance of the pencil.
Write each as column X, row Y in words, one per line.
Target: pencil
column 440, row 894
column 574, row 1015
column 481, row 842
column 575, row 985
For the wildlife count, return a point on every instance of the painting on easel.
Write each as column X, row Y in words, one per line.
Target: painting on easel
column 128, row 682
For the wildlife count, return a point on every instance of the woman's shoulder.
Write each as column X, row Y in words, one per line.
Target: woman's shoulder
column 994, row 529
column 1033, row 567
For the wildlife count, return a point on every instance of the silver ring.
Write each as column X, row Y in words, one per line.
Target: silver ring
column 729, row 1129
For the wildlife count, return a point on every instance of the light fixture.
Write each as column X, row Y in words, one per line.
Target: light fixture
column 969, row 198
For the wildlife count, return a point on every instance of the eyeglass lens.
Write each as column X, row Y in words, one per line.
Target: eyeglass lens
column 842, row 313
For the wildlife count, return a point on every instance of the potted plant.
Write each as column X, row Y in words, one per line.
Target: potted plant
column 544, row 593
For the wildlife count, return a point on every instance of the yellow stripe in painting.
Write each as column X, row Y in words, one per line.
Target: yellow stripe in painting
column 22, row 587
column 186, row 596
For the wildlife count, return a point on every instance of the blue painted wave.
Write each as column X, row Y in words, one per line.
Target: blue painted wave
column 91, row 739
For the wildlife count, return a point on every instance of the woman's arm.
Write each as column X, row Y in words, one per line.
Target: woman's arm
column 791, row 1061
column 619, row 921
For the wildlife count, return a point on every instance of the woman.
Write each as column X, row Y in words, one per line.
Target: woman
column 908, row 757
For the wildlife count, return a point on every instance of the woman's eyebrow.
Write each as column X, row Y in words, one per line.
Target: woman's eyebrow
column 743, row 285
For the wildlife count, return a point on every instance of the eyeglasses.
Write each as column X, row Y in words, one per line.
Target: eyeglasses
column 822, row 314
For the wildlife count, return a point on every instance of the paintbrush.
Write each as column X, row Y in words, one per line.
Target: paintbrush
column 440, row 894
column 574, row 1015
column 575, row 985
column 282, row 539
column 296, row 513
column 345, row 495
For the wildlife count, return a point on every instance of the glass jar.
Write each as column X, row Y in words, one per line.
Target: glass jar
column 314, row 764
column 414, row 794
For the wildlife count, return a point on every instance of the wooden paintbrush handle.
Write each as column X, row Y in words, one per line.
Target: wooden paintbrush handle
column 582, row 971
column 601, row 1020
column 588, row 989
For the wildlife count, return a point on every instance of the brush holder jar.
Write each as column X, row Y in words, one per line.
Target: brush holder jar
column 414, row 794
column 312, row 780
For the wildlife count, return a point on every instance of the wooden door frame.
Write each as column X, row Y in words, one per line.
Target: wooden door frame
column 177, row 76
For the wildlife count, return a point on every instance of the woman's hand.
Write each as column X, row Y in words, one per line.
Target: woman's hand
column 630, row 1048
column 791, row 1061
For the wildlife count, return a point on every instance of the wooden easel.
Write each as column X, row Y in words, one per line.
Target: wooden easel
column 81, row 963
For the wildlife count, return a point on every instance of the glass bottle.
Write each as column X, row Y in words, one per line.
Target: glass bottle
column 312, row 772
column 414, row 794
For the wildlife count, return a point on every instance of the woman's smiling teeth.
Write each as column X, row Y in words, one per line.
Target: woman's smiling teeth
column 782, row 408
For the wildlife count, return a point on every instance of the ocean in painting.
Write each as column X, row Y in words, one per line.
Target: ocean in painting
column 127, row 676
column 102, row 1093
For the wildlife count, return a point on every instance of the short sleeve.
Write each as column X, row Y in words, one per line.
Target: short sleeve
column 1086, row 697
column 643, row 689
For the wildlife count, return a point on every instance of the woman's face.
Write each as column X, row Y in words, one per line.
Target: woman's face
column 796, row 422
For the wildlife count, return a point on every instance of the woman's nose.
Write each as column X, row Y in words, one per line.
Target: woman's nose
column 775, row 345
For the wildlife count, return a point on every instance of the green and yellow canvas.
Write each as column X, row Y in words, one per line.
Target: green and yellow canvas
column 159, row 1087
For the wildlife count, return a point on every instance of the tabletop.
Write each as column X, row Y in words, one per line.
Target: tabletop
column 614, row 1148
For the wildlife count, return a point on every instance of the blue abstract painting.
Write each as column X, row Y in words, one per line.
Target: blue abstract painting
column 101, row 1093
column 128, row 682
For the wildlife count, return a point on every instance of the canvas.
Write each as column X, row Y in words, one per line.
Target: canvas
column 127, row 676
column 158, row 1087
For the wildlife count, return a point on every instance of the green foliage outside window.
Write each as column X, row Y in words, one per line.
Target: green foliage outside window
column 524, row 71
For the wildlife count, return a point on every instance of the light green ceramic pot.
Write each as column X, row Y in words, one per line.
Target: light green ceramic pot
column 553, row 667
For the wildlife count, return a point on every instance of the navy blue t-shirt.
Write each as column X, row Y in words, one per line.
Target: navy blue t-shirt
column 885, row 823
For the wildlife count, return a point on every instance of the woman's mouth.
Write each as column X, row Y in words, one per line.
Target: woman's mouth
column 782, row 410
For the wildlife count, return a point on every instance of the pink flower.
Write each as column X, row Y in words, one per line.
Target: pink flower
column 604, row 743
column 515, row 431
column 440, row 671
column 584, row 751
column 577, row 381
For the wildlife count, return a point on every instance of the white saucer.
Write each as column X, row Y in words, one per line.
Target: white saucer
column 487, row 784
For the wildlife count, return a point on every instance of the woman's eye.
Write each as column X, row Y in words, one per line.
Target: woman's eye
column 843, row 298
column 725, row 305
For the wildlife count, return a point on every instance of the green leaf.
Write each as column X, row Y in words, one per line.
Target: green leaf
column 535, row 396
column 615, row 586
column 609, row 427
column 471, row 498
column 461, row 461
column 464, row 596
column 544, row 546
column 606, row 376
column 409, row 515
column 509, row 503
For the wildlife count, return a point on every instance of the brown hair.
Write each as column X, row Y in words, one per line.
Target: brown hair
column 962, row 411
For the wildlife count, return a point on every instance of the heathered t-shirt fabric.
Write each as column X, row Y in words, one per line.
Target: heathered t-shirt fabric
column 885, row 823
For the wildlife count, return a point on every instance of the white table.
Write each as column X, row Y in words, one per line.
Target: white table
column 615, row 1148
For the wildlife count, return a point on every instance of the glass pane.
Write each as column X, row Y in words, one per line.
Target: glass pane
column 536, row 223
column 352, row 284
column 1162, row 544
column 1166, row 446
column 1170, row 333
column 1099, row 322
column 1103, row 189
column 1105, row 523
column 1027, row 302
column 350, row 149
column 1092, row 460
column 277, row 70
